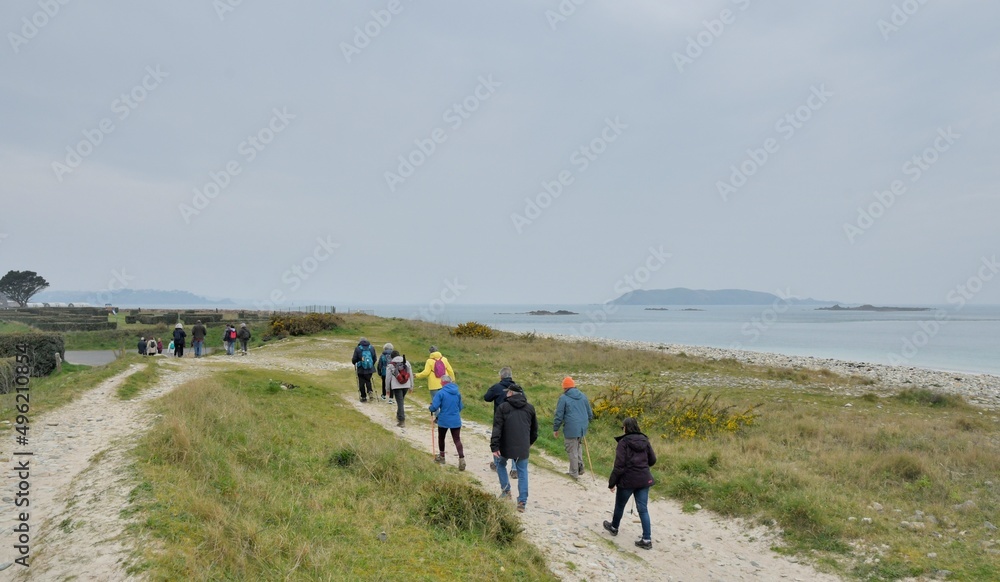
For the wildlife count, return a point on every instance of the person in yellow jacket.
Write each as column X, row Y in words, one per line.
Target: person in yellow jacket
column 433, row 378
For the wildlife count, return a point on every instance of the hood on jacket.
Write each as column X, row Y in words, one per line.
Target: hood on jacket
column 517, row 400
column 397, row 360
column 450, row 388
column 435, row 356
column 575, row 394
column 635, row 441
column 364, row 343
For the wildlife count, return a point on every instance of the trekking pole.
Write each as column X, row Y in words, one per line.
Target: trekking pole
column 433, row 446
column 587, row 447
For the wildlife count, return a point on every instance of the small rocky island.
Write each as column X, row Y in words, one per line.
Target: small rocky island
column 546, row 312
column 656, row 309
column 867, row 307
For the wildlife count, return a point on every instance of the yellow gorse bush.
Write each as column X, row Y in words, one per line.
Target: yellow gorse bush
column 473, row 329
column 673, row 416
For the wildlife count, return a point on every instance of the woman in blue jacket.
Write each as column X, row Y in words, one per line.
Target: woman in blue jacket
column 448, row 401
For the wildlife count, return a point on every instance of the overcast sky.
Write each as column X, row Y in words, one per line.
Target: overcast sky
column 502, row 152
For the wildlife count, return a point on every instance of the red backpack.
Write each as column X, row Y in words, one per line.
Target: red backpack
column 231, row 335
column 439, row 368
column 402, row 372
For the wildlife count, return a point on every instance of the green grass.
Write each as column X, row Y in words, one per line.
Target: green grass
column 241, row 482
column 59, row 389
column 140, row 380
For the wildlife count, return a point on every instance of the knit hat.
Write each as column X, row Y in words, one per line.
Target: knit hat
column 434, row 349
column 179, row 326
column 387, row 348
column 568, row 383
column 515, row 388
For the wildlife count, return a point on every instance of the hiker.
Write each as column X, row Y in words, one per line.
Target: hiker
column 244, row 337
column 573, row 413
column 631, row 475
column 497, row 394
column 364, row 362
column 159, row 346
column 179, row 336
column 515, row 429
column 142, row 346
column 170, row 348
column 198, row 333
column 229, row 338
column 383, row 363
column 448, row 403
column 435, row 367
column 400, row 380
column 151, row 347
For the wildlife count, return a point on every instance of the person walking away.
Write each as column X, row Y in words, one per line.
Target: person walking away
column 632, row 477
column 383, row 363
column 364, row 363
column 448, row 403
column 497, row 394
column 515, row 429
column 229, row 338
column 573, row 414
column 435, row 368
column 244, row 337
column 159, row 346
column 142, row 346
column 198, row 333
column 399, row 375
column 179, row 336
column 151, row 347
column 170, row 348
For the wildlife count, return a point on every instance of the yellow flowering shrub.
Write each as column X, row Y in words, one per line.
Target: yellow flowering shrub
column 473, row 329
column 673, row 416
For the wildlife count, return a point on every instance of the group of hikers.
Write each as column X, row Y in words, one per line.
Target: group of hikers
column 154, row 346
column 515, row 427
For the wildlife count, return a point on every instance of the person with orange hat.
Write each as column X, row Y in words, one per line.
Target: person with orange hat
column 573, row 414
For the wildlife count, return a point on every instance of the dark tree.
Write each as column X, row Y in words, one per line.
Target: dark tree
column 20, row 286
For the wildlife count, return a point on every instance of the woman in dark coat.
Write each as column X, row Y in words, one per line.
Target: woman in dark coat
column 632, row 477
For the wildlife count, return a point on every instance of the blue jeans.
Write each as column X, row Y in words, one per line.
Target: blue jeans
column 230, row 347
column 522, row 476
column 197, row 344
column 641, row 500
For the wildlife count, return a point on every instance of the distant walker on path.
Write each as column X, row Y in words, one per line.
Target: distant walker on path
column 573, row 414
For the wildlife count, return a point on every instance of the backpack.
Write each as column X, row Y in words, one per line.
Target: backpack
column 383, row 363
column 231, row 335
column 402, row 373
column 439, row 368
column 367, row 363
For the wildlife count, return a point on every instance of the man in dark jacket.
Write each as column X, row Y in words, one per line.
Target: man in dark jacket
column 364, row 362
column 142, row 346
column 198, row 333
column 497, row 394
column 244, row 336
column 515, row 429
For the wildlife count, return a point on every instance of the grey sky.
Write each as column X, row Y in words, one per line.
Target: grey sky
column 661, row 129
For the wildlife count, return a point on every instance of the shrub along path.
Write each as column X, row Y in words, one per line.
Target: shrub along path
column 80, row 487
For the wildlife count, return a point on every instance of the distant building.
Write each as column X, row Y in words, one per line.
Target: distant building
column 6, row 303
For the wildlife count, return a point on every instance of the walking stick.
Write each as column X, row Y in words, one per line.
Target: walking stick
column 433, row 445
column 587, row 447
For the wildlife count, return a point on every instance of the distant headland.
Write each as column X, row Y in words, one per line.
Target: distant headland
column 684, row 296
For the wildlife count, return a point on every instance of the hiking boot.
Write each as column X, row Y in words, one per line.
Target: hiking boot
column 513, row 473
column 520, row 509
column 461, row 464
column 611, row 529
column 363, row 399
column 400, row 423
column 505, row 494
column 644, row 544
column 580, row 471
column 383, row 397
column 439, row 459
column 574, row 476
column 391, row 401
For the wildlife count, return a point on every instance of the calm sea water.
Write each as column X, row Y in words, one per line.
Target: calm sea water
column 943, row 338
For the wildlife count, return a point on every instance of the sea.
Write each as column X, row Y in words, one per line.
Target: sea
column 943, row 337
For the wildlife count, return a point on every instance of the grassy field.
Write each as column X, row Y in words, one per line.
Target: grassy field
column 238, row 477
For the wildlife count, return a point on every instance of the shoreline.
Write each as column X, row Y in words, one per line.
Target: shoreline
column 982, row 390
